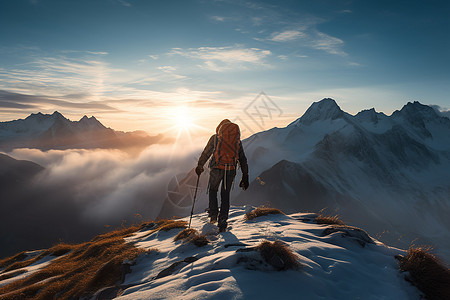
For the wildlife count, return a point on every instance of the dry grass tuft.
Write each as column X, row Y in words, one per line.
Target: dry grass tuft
column 199, row 240
column 123, row 232
column 60, row 249
column 11, row 274
column 15, row 264
column 10, row 260
column 322, row 219
column 167, row 225
column 192, row 236
column 185, row 234
column 427, row 272
column 262, row 211
column 87, row 268
column 278, row 255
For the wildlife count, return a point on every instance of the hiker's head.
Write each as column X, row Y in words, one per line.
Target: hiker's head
column 221, row 123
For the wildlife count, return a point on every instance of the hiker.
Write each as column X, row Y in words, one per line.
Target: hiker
column 227, row 151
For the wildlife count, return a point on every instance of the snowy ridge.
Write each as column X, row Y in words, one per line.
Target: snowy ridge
column 333, row 266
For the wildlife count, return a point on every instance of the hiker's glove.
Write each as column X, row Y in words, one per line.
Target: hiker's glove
column 199, row 170
column 244, row 182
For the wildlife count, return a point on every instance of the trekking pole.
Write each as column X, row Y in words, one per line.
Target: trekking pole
column 193, row 203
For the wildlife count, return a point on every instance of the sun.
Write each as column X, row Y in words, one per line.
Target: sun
column 183, row 119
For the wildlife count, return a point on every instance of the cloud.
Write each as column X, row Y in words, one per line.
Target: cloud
column 302, row 31
column 124, row 3
column 171, row 71
column 18, row 100
column 10, row 104
column 445, row 112
column 218, row 18
column 81, row 191
column 98, row 52
column 61, row 75
column 328, row 43
column 225, row 58
column 108, row 185
column 308, row 37
column 287, row 35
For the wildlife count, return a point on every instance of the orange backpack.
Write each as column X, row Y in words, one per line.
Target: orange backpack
column 227, row 146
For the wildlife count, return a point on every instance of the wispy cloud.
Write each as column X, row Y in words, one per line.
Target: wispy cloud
column 445, row 112
column 17, row 100
column 296, row 29
column 170, row 70
column 308, row 37
column 225, row 58
column 327, row 43
column 287, row 35
column 124, row 3
column 218, row 18
column 59, row 75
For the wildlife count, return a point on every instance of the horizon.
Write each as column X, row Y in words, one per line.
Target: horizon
column 190, row 131
column 139, row 65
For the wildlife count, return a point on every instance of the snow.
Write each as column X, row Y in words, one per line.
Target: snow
column 333, row 266
column 29, row 270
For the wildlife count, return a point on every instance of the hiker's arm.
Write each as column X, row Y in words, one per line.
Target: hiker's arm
column 243, row 160
column 207, row 151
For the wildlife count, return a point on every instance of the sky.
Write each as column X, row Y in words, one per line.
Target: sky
column 147, row 65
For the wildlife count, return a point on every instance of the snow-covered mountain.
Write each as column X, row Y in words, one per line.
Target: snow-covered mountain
column 388, row 174
column 327, row 262
column 44, row 131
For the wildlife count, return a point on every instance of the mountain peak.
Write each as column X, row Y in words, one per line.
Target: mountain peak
column 325, row 109
column 57, row 114
column 367, row 115
column 91, row 123
column 414, row 110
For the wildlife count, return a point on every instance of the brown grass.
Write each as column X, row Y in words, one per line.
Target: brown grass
column 10, row 260
column 191, row 235
column 185, row 234
column 262, row 211
column 85, row 268
column 89, row 267
column 14, row 262
column 167, row 225
column 278, row 255
column 12, row 274
column 322, row 219
column 427, row 272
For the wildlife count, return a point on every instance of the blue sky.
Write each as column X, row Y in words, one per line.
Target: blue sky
column 138, row 64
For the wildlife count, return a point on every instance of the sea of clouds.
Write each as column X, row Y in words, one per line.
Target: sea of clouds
column 82, row 193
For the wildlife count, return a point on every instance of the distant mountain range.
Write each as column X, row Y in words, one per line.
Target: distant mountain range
column 44, row 131
column 389, row 174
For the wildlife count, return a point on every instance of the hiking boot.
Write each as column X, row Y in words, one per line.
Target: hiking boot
column 213, row 219
column 223, row 227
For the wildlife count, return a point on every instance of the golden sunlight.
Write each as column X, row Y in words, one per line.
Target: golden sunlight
column 183, row 119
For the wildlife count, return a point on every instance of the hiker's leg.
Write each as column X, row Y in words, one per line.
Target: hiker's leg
column 225, row 199
column 215, row 177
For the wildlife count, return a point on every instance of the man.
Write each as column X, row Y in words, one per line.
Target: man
column 227, row 151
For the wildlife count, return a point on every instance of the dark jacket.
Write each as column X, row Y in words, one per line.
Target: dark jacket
column 209, row 149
